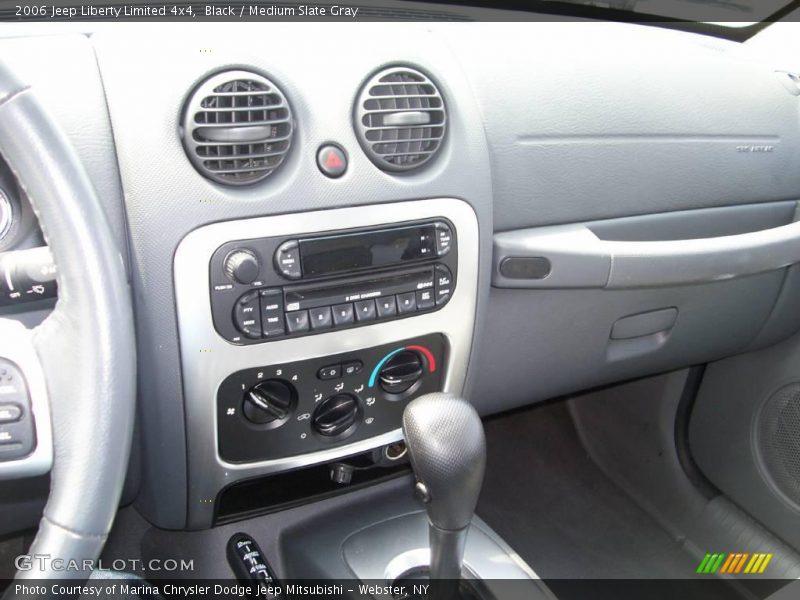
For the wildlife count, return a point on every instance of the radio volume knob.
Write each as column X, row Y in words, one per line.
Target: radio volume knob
column 242, row 266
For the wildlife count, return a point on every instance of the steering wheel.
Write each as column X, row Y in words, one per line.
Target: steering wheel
column 80, row 362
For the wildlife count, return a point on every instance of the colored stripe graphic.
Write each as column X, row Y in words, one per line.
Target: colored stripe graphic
column 735, row 563
column 764, row 564
column 712, row 562
column 717, row 563
column 735, row 556
column 754, row 563
column 727, row 565
column 740, row 564
column 704, row 563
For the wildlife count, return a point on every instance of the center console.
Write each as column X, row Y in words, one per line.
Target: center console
column 304, row 336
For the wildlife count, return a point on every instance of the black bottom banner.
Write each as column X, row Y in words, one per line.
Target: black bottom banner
column 107, row 586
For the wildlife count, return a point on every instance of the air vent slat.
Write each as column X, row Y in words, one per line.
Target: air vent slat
column 237, row 127
column 376, row 93
column 406, row 140
column 394, row 128
column 250, row 169
column 392, row 154
column 247, row 123
column 271, row 140
column 234, row 94
column 379, row 111
column 253, row 108
column 400, row 119
column 244, row 156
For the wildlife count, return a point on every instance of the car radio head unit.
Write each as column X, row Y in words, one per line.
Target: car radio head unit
column 272, row 288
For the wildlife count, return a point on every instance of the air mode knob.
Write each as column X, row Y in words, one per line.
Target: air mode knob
column 242, row 266
column 336, row 415
column 269, row 401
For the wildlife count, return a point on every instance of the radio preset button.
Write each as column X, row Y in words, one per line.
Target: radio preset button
column 10, row 413
column 425, row 300
column 320, row 317
column 287, row 260
column 297, row 321
column 444, row 239
column 406, row 303
column 343, row 314
column 444, row 284
column 247, row 315
column 365, row 310
column 426, row 280
column 272, row 324
column 273, row 327
column 387, row 307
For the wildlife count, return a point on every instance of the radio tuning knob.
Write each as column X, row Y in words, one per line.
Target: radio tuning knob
column 242, row 266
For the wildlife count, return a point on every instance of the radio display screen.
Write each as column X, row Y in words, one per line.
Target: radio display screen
column 370, row 249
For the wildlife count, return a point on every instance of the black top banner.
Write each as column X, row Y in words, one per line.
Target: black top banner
column 736, row 21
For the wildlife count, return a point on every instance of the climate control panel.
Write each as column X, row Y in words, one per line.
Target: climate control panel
column 300, row 407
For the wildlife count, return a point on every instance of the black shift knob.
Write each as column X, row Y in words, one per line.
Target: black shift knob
column 447, row 448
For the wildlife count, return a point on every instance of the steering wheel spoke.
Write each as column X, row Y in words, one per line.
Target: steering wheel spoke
column 26, row 441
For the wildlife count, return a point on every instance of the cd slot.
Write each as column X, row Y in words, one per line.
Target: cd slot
column 314, row 296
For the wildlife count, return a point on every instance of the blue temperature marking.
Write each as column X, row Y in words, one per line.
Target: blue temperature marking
column 380, row 364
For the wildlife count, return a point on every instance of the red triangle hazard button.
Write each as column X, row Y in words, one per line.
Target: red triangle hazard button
column 331, row 160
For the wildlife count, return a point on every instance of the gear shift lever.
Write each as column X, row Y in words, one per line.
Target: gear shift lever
column 447, row 448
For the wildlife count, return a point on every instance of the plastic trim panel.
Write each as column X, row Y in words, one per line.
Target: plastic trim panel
column 206, row 358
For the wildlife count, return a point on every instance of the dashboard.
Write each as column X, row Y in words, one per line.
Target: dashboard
column 318, row 220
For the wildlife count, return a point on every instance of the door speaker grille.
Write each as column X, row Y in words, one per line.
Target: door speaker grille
column 778, row 441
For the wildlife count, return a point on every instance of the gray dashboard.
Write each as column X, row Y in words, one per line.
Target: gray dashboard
column 548, row 124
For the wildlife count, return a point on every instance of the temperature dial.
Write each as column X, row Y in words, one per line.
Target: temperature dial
column 401, row 372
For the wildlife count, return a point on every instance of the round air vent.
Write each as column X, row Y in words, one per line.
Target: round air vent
column 400, row 119
column 237, row 127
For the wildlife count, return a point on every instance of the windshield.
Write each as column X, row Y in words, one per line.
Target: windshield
column 731, row 13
